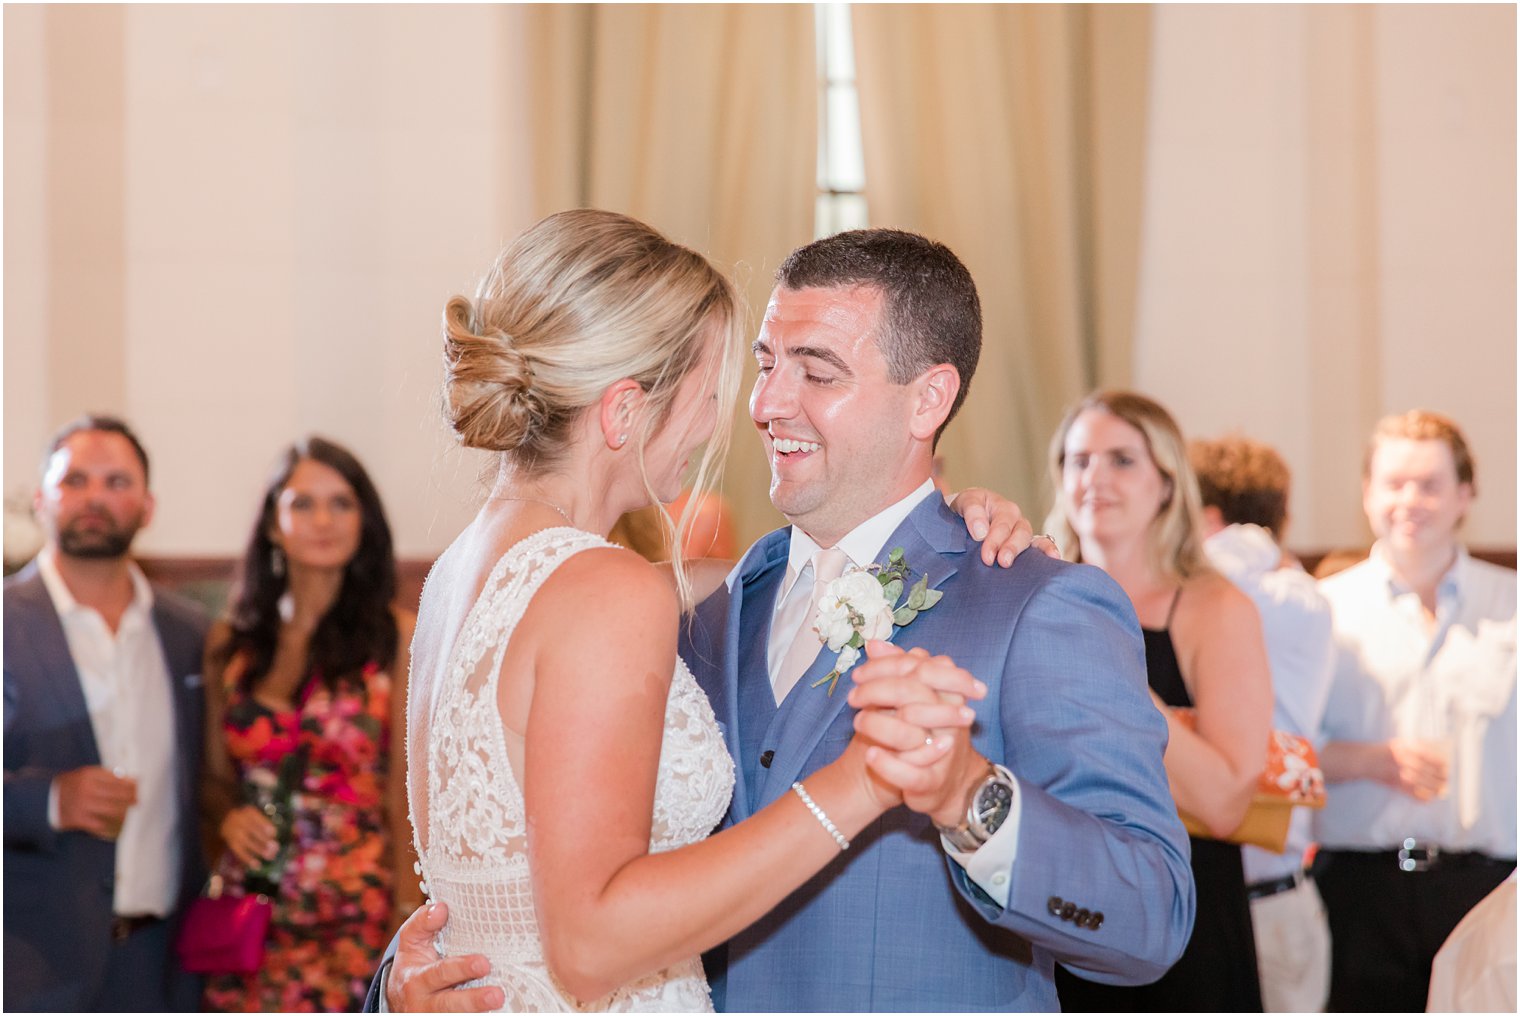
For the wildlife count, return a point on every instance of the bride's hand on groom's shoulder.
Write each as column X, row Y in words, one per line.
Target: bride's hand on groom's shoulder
column 421, row 981
column 914, row 719
column 998, row 524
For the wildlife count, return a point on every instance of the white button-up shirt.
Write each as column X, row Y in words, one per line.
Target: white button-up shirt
column 126, row 686
column 1396, row 678
column 1295, row 620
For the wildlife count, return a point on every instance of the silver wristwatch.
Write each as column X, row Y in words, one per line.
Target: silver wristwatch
column 987, row 809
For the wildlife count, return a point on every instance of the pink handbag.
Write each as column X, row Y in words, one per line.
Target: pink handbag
column 224, row 934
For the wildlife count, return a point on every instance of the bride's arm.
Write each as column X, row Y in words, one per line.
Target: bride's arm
column 608, row 910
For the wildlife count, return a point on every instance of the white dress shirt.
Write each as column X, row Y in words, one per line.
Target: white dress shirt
column 1295, row 620
column 126, row 686
column 1395, row 677
column 987, row 866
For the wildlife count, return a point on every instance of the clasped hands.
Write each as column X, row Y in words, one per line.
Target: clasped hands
column 914, row 729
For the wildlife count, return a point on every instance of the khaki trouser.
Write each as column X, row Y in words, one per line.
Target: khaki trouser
column 1292, row 949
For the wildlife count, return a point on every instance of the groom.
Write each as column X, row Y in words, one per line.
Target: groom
column 1075, row 852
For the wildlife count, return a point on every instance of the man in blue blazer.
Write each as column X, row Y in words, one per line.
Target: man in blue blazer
column 102, row 746
column 1072, row 849
column 1056, row 837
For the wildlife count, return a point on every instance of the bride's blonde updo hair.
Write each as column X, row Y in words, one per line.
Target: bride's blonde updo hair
column 580, row 301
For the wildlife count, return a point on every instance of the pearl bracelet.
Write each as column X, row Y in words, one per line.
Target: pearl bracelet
column 823, row 819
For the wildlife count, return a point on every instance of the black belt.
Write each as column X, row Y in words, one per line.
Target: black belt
column 124, row 926
column 1417, row 855
column 1273, row 886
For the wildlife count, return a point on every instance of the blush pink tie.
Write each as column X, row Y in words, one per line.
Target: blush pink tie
column 827, row 566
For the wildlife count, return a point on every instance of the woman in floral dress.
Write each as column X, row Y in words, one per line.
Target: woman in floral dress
column 306, row 779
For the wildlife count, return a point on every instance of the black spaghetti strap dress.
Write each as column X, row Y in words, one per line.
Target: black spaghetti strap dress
column 1217, row 971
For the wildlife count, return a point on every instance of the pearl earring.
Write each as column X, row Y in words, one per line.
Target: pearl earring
column 622, row 440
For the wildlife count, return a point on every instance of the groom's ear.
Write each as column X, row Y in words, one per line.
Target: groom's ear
column 935, row 390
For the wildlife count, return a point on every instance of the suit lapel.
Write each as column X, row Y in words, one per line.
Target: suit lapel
column 932, row 540
column 752, row 598
column 55, row 663
column 799, row 725
column 180, row 662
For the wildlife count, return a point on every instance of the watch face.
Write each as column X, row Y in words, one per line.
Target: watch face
column 993, row 803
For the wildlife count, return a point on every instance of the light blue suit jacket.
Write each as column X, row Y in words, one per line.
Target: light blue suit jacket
column 893, row 924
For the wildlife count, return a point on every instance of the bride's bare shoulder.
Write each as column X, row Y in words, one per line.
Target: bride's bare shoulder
column 611, row 579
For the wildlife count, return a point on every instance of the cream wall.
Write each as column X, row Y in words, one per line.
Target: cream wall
column 1330, row 236
column 237, row 224
column 277, row 203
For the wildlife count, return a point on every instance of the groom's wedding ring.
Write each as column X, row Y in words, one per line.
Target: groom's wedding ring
column 929, row 741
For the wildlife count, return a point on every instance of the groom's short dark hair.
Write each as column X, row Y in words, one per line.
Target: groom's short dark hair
column 932, row 312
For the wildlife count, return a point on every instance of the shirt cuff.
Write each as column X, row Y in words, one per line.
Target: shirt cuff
column 990, row 865
column 52, row 814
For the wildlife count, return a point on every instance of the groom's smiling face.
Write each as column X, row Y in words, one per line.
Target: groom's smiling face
column 835, row 426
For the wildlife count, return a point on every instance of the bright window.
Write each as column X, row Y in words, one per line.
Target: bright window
column 841, row 202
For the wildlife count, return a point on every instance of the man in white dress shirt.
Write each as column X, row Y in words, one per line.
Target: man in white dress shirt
column 1244, row 485
column 102, row 744
column 1420, row 726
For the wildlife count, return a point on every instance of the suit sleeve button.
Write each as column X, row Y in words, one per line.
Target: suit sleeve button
column 1083, row 916
column 1054, row 906
column 1068, row 911
column 765, row 758
column 1095, row 920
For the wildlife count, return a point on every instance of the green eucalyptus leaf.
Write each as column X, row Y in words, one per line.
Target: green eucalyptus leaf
column 896, row 555
column 931, row 597
column 916, row 596
column 892, row 590
column 903, row 616
column 856, row 641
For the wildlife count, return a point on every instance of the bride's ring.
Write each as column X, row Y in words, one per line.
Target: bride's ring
column 929, row 741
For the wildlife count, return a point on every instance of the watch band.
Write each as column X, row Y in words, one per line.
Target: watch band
column 971, row 833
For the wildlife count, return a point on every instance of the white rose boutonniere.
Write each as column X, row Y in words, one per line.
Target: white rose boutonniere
column 862, row 604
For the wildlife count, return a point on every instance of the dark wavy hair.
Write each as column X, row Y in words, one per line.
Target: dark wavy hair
column 359, row 628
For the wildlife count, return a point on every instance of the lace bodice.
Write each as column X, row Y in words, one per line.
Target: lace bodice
column 466, row 802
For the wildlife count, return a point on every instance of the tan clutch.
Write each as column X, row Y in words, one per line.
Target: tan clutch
column 1292, row 779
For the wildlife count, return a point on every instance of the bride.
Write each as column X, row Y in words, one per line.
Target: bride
column 564, row 767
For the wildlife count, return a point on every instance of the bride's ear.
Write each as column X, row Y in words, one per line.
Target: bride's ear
column 619, row 410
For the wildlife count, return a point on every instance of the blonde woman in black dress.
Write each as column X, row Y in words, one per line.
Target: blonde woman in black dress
column 1128, row 502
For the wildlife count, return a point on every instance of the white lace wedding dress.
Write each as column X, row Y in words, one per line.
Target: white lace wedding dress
column 467, row 806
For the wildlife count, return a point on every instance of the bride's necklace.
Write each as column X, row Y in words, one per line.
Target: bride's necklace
column 534, row 500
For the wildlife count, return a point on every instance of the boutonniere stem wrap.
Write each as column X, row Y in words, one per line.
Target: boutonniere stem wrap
column 863, row 604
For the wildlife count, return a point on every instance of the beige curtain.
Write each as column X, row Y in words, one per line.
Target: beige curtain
column 1014, row 134
column 702, row 121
